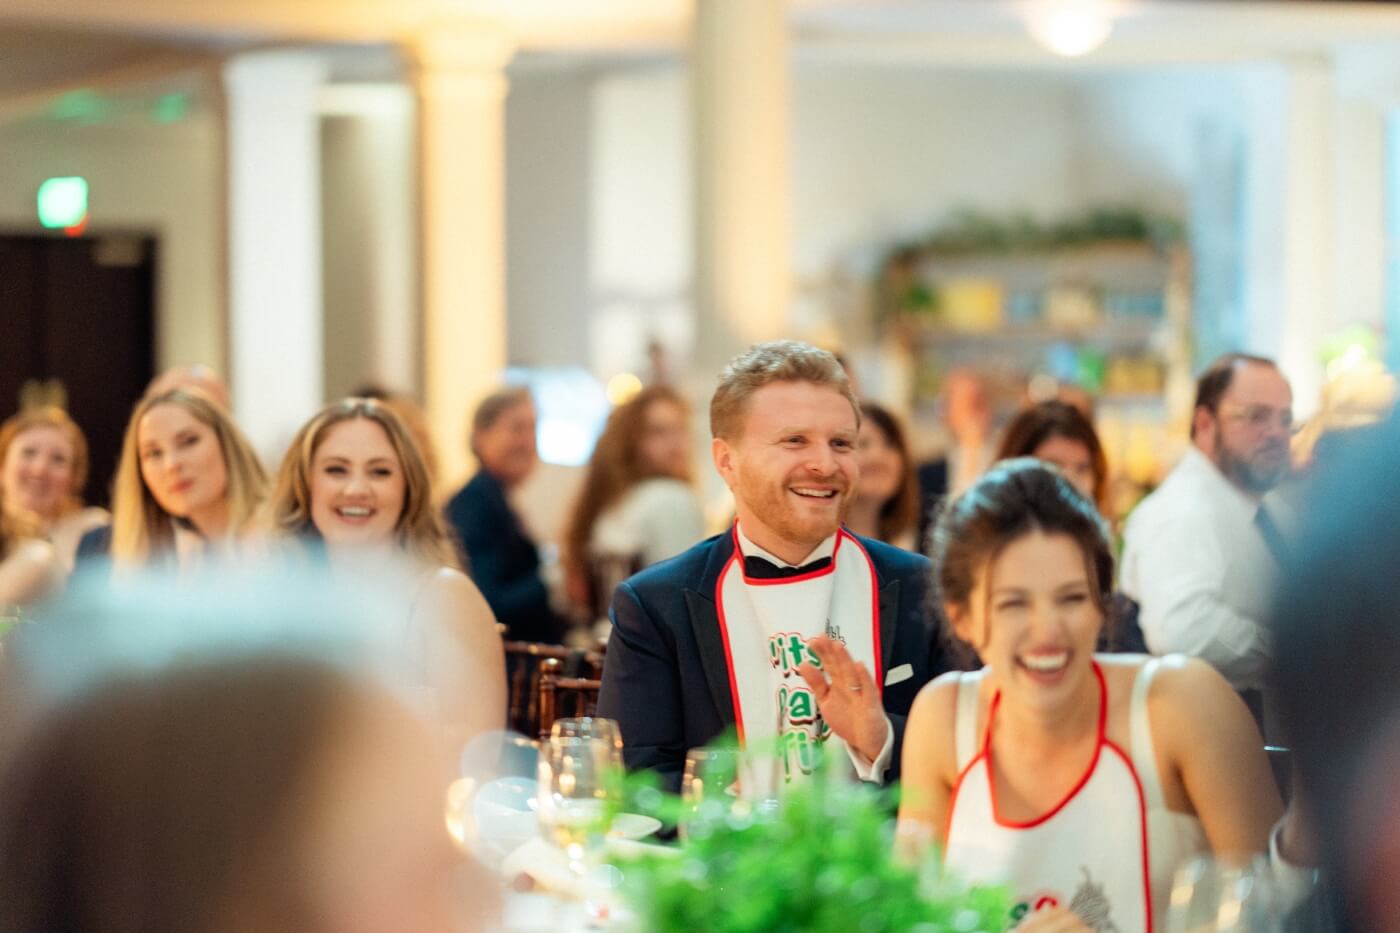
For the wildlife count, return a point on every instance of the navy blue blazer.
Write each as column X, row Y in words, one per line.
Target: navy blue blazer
column 666, row 676
column 502, row 560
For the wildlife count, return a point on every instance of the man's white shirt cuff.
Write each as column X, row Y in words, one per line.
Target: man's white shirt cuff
column 874, row 771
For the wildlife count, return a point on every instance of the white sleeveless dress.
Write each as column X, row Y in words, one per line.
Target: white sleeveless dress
column 1108, row 850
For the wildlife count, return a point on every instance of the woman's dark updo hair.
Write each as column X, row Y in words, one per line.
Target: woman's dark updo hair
column 1013, row 499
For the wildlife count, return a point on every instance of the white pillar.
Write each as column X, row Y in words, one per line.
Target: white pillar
column 274, row 243
column 1309, row 201
column 1359, row 213
column 741, row 76
column 461, row 84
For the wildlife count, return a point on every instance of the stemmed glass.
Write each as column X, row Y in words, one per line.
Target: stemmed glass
column 579, row 792
column 1222, row 896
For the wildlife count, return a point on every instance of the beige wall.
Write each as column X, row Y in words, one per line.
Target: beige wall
column 162, row 180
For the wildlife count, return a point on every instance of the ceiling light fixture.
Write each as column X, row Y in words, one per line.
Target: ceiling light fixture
column 1070, row 27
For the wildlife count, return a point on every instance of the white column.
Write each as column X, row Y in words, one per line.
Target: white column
column 1359, row 213
column 461, row 84
column 274, row 243
column 740, row 85
column 1308, row 196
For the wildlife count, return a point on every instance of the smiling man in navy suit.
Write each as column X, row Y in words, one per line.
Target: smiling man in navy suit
column 786, row 626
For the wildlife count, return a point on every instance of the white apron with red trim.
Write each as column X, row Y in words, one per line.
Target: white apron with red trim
column 766, row 624
column 1089, row 853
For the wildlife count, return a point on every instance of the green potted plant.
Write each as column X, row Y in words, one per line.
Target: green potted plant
column 823, row 861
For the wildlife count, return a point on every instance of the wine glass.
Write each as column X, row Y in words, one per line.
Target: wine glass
column 1224, row 896
column 579, row 792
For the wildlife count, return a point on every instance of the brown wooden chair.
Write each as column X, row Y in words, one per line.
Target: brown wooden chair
column 563, row 697
column 524, row 660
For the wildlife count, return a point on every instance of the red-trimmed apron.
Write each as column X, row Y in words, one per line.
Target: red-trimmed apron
column 1089, row 853
column 766, row 625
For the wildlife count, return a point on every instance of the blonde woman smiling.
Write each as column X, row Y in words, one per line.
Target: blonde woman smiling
column 354, row 483
column 188, row 480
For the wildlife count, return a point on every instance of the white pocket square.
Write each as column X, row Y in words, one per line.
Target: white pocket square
column 899, row 674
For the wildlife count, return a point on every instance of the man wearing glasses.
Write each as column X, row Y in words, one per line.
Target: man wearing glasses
column 1201, row 551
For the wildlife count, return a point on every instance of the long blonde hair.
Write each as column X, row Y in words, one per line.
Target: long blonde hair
column 140, row 527
column 419, row 531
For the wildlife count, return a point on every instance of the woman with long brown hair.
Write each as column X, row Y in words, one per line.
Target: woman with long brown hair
column 43, row 469
column 354, row 483
column 636, row 506
column 187, row 481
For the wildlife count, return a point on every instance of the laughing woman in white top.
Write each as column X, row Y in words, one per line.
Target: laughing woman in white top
column 1080, row 781
column 354, row 481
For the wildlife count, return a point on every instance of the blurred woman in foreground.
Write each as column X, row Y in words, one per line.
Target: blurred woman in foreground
column 353, row 482
column 43, row 469
column 187, row 482
column 264, row 793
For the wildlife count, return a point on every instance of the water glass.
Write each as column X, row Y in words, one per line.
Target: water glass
column 710, row 790
column 1223, row 896
column 591, row 727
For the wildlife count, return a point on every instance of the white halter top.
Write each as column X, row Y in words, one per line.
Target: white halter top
column 1108, row 850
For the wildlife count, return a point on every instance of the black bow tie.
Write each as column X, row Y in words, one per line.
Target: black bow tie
column 758, row 568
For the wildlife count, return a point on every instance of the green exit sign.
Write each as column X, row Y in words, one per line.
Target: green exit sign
column 63, row 202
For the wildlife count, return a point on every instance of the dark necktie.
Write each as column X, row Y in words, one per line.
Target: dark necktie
column 758, row 568
column 1273, row 536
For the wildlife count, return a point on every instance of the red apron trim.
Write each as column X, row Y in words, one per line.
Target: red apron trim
column 1093, row 763
column 737, row 556
column 1146, row 839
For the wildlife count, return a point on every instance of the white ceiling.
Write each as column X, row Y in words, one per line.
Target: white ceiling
column 52, row 47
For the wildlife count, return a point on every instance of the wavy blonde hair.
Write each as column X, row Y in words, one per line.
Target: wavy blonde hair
column 420, row 530
column 142, row 529
column 49, row 416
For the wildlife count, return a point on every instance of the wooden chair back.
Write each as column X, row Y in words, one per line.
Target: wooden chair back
column 564, row 697
column 524, row 661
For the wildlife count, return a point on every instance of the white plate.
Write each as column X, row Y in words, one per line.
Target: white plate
column 633, row 826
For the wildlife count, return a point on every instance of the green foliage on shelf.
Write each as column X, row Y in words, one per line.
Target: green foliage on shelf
column 971, row 231
column 822, row 863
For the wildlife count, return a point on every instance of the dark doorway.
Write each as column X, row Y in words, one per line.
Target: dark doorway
column 77, row 319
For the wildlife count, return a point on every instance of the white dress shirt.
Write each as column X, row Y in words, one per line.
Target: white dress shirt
column 866, row 770
column 1199, row 567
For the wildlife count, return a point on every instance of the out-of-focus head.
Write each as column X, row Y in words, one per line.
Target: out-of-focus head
column 1336, row 631
column 265, row 793
column 663, row 432
column 1024, row 570
column 1060, row 434
column 43, row 463
column 969, row 410
column 1242, row 420
column 785, row 424
column 222, row 748
column 503, row 434
column 354, row 477
column 886, row 471
column 197, row 378
column 183, row 457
